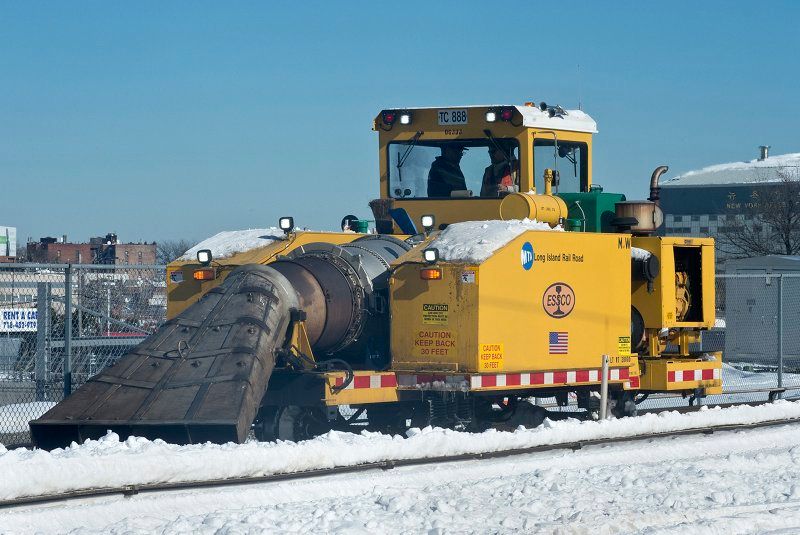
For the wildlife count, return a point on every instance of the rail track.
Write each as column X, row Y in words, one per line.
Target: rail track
column 130, row 490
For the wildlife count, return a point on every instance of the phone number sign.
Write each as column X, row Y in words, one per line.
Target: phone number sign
column 17, row 319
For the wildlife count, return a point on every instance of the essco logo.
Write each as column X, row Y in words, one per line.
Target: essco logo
column 526, row 256
column 558, row 300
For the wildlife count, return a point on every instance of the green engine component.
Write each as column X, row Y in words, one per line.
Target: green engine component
column 594, row 207
column 360, row 225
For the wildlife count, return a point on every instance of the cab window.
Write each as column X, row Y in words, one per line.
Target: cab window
column 569, row 158
column 453, row 168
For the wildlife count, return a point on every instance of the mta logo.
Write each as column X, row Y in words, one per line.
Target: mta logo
column 526, row 256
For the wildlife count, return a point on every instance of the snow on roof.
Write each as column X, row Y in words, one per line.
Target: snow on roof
column 576, row 120
column 228, row 243
column 475, row 241
column 754, row 171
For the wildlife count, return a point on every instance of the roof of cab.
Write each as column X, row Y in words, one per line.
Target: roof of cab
column 533, row 117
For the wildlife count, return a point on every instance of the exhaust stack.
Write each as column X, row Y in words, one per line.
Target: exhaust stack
column 655, row 189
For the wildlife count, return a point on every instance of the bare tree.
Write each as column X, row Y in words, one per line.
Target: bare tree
column 169, row 250
column 770, row 224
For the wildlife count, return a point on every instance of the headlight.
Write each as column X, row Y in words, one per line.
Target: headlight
column 204, row 257
column 286, row 224
column 431, row 255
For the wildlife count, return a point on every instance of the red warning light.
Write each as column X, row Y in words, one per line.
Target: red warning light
column 389, row 117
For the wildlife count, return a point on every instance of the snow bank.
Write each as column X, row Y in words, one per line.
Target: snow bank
column 136, row 461
column 228, row 243
column 475, row 241
column 14, row 418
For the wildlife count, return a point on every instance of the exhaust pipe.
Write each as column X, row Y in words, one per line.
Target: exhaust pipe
column 655, row 190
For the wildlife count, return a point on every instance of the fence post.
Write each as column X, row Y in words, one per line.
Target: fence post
column 780, row 332
column 42, row 336
column 604, row 389
column 68, row 331
column 80, row 302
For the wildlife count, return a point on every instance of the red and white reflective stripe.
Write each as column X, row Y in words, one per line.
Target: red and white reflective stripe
column 546, row 378
column 633, row 383
column 680, row 376
column 369, row 381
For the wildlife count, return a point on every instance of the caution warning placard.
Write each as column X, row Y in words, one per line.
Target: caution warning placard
column 624, row 346
column 434, row 313
column 433, row 342
column 491, row 357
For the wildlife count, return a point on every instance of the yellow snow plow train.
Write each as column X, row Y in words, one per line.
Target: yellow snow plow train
column 496, row 272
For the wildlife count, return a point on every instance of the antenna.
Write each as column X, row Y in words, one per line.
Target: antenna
column 578, row 69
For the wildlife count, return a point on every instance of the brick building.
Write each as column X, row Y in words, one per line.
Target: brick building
column 99, row 250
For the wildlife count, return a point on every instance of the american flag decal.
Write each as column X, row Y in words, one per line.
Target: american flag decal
column 558, row 343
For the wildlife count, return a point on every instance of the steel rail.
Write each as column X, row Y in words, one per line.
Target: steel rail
column 130, row 490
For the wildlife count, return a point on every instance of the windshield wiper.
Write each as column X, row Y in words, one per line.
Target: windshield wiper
column 402, row 159
column 497, row 146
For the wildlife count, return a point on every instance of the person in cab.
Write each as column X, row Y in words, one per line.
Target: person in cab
column 502, row 175
column 445, row 175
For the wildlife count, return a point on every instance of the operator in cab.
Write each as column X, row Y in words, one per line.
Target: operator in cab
column 445, row 175
column 502, row 174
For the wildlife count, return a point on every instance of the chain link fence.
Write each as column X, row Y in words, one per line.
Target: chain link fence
column 60, row 324
column 757, row 320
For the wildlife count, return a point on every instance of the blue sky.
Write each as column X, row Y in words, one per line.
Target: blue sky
column 165, row 120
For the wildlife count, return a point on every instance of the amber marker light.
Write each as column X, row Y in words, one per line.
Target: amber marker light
column 430, row 274
column 205, row 274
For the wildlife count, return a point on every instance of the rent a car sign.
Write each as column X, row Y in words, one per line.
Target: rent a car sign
column 17, row 319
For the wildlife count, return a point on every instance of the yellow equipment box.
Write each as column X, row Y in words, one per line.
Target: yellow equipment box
column 683, row 292
column 682, row 374
column 540, row 302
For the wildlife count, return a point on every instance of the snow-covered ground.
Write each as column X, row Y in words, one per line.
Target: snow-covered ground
column 733, row 482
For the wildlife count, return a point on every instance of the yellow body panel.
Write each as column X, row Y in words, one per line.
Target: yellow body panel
column 182, row 294
column 491, row 318
column 682, row 374
column 658, row 308
column 366, row 387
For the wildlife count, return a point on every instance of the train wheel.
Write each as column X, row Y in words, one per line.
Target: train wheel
column 299, row 423
column 527, row 415
column 290, row 422
column 622, row 403
column 264, row 426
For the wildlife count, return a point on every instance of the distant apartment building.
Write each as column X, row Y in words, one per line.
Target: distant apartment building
column 99, row 250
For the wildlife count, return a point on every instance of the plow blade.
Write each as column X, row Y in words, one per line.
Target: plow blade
column 200, row 377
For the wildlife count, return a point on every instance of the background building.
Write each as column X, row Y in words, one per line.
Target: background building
column 8, row 244
column 714, row 200
column 99, row 250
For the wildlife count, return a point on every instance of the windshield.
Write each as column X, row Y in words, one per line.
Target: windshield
column 571, row 160
column 486, row 168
